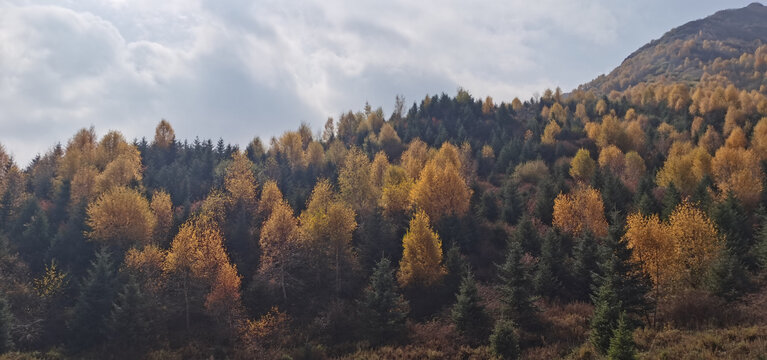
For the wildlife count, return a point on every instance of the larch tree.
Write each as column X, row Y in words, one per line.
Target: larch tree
column 414, row 158
column 395, row 193
column 240, row 183
column 162, row 208
column 354, row 182
column 421, row 263
column 270, row 197
column 441, row 190
column 164, row 136
column 121, row 217
column 582, row 166
column 738, row 170
column 550, row 133
column 580, row 211
column 279, row 241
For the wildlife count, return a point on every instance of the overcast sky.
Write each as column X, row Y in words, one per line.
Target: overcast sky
column 239, row 69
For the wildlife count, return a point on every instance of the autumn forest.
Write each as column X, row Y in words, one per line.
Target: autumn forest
column 625, row 219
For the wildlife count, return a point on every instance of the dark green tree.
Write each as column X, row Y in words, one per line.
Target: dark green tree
column 385, row 309
column 671, row 198
column 622, row 345
column 607, row 310
column 504, row 341
column 544, row 201
column 511, row 209
column 515, row 287
column 728, row 277
column 732, row 221
column 456, row 270
column 547, row 280
column 468, row 314
column 585, row 265
column 88, row 325
column 526, row 235
column 130, row 321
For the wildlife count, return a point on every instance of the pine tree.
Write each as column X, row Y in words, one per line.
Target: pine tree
column 584, row 267
column 671, row 198
column 546, row 281
column 512, row 204
column 504, row 341
column 6, row 323
column 605, row 319
column 89, row 319
column 515, row 286
column 728, row 277
column 732, row 222
column 468, row 314
column 130, row 320
column 526, row 235
column 385, row 309
column 456, row 270
column 622, row 345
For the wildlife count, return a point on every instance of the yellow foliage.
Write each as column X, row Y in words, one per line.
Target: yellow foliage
column 550, row 133
column 146, row 266
column 648, row 238
column 162, row 208
column 121, row 217
column 633, row 170
column 354, row 181
column 239, row 181
column 711, row 140
column 279, row 241
column 441, row 190
column 414, row 158
column 378, row 169
column 612, row 158
column 395, row 194
column 315, row 155
column 124, row 170
column 737, row 170
column 737, row 139
column 582, row 166
column 759, row 139
column 421, row 263
column 580, row 211
column 164, row 136
column 685, row 167
column 270, row 196
column 696, row 243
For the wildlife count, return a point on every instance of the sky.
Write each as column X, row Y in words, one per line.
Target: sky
column 240, row 69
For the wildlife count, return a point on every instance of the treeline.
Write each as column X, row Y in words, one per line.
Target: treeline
column 457, row 228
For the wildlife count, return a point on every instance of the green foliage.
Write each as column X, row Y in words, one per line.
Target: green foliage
column 547, row 280
column 6, row 324
column 515, row 286
column 504, row 341
column 733, row 223
column 468, row 314
column 728, row 277
column 131, row 321
column 585, row 266
column 94, row 304
column 385, row 309
column 605, row 319
column 622, row 345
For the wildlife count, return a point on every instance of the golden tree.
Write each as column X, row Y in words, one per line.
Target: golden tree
column 550, row 133
column 164, row 136
column 696, row 243
column 121, row 217
column 378, row 170
column 582, row 166
column 685, row 167
column 633, row 170
column 737, row 139
column 270, row 196
column 737, row 170
column 652, row 248
column 421, row 263
column 240, row 183
column 279, row 241
column 759, row 139
column 612, row 159
column 441, row 190
column 580, row 211
column 354, row 182
column 395, row 193
column 162, row 208
column 414, row 158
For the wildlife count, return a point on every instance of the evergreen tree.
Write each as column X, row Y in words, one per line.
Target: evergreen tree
column 547, row 281
column 671, row 198
column 130, row 321
column 456, row 270
column 544, row 201
column 728, row 278
column 622, row 343
column 385, row 309
column 515, row 286
column 526, row 235
column 512, row 203
column 504, row 341
column 88, row 325
column 732, row 222
column 585, row 265
column 6, row 323
column 605, row 319
column 644, row 202
column 468, row 314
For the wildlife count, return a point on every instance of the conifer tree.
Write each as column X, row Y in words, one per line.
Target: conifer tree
column 605, row 319
column 89, row 319
column 728, row 277
column 456, row 270
column 6, row 324
column 385, row 309
column 622, row 345
column 546, row 281
column 504, row 341
column 732, row 222
column 130, row 320
column 585, row 265
column 512, row 204
column 671, row 198
column 468, row 314
column 515, row 286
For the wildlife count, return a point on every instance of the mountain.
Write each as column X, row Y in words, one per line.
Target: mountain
column 686, row 53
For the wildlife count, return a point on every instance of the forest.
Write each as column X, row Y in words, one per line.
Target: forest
column 587, row 225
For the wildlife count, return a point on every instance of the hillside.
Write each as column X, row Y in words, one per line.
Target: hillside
column 686, row 52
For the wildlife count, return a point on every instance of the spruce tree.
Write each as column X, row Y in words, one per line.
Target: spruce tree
column 456, row 270
column 671, row 198
column 468, row 314
column 515, row 286
column 526, row 235
column 93, row 306
column 622, row 345
column 512, row 204
column 731, row 219
column 605, row 318
column 6, row 323
column 728, row 277
column 585, row 265
column 385, row 310
column 546, row 281
column 130, row 321
column 504, row 341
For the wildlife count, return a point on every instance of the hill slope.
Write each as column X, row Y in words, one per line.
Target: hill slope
column 684, row 53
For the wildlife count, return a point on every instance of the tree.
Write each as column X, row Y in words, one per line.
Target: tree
column 6, row 324
column 441, row 190
column 414, row 158
column 551, row 132
column 354, row 182
column 696, row 241
column 582, row 166
column 328, row 225
column 88, row 326
column 611, row 158
column 605, row 319
column 504, row 341
column 240, row 183
column 395, row 194
column 547, row 279
column 584, row 266
column 685, row 167
column 622, row 342
column 279, row 241
column 162, row 208
column 385, row 310
column 467, row 313
column 515, row 286
column 728, row 277
column 121, row 217
column 737, row 170
column 580, row 211
column 130, row 321
column 421, row 255
column 164, row 136
column 270, row 197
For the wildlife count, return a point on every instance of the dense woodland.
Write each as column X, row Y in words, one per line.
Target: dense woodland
column 582, row 225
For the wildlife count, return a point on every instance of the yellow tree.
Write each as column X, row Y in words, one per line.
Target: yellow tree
column 328, row 224
column 164, row 136
column 582, row 166
column 414, row 158
column 279, row 242
column 121, row 217
column 550, row 133
column 270, row 196
column 612, row 159
column 198, row 265
column 685, row 167
column 421, row 263
column 378, row 170
column 633, row 170
column 697, row 243
column 759, row 139
column 395, row 193
column 737, row 139
column 441, row 190
column 162, row 208
column 580, row 211
column 123, row 170
column 240, row 183
column 649, row 240
column 354, row 182
column 737, row 170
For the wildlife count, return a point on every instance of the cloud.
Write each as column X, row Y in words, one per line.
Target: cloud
column 239, row 69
